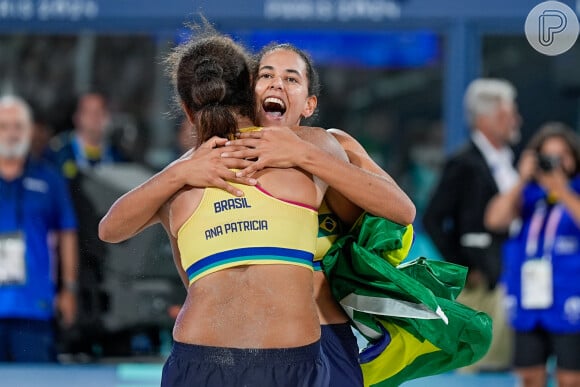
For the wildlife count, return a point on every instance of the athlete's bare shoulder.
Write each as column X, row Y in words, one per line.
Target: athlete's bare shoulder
column 348, row 142
column 322, row 139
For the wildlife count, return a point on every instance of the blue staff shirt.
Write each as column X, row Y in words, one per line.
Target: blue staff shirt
column 36, row 203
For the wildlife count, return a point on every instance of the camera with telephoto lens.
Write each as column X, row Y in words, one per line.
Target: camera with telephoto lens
column 548, row 163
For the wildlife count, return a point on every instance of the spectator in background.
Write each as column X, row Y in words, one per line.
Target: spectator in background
column 87, row 144
column 455, row 213
column 34, row 202
column 41, row 135
column 75, row 153
column 542, row 260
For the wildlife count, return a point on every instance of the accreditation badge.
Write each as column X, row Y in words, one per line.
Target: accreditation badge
column 537, row 284
column 12, row 259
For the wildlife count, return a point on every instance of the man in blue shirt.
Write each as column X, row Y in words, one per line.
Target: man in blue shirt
column 87, row 145
column 36, row 212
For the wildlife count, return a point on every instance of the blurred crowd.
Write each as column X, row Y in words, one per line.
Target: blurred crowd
column 516, row 226
column 52, row 262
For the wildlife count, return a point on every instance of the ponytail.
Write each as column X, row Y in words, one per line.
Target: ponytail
column 214, row 120
column 208, row 90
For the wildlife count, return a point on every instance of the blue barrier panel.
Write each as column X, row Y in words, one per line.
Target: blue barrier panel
column 154, row 15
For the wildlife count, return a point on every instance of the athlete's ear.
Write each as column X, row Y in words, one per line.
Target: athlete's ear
column 188, row 113
column 310, row 106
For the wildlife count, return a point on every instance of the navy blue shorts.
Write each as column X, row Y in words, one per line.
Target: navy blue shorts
column 341, row 349
column 533, row 348
column 197, row 365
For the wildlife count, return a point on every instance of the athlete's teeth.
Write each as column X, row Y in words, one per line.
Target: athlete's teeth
column 275, row 100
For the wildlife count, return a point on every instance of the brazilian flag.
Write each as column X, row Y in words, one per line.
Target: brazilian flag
column 407, row 311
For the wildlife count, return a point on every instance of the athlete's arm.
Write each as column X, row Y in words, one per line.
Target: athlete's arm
column 326, row 143
column 361, row 180
column 137, row 209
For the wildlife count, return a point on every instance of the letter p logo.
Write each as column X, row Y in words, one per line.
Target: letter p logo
column 552, row 28
column 551, row 22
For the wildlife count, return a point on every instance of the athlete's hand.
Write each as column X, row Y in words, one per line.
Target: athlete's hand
column 275, row 147
column 204, row 167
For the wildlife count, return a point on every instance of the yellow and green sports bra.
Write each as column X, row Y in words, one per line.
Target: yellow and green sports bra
column 227, row 231
column 330, row 227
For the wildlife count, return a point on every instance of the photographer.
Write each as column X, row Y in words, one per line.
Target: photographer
column 542, row 257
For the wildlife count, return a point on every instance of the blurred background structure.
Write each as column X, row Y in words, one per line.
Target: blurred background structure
column 393, row 75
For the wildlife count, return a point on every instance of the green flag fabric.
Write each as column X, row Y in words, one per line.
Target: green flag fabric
column 407, row 312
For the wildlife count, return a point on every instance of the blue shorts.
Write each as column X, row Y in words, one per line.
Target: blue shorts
column 197, row 365
column 341, row 350
column 27, row 341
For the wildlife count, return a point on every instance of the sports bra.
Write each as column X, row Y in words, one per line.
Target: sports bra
column 227, row 231
column 330, row 227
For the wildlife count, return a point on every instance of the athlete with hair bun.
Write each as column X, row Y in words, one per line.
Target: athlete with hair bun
column 249, row 318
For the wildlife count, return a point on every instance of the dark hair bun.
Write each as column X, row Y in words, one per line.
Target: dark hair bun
column 212, row 77
column 209, row 86
column 207, row 69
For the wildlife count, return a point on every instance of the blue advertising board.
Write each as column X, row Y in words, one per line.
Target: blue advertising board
column 395, row 49
column 156, row 15
column 366, row 33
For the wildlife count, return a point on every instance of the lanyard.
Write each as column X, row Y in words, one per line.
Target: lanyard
column 550, row 227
